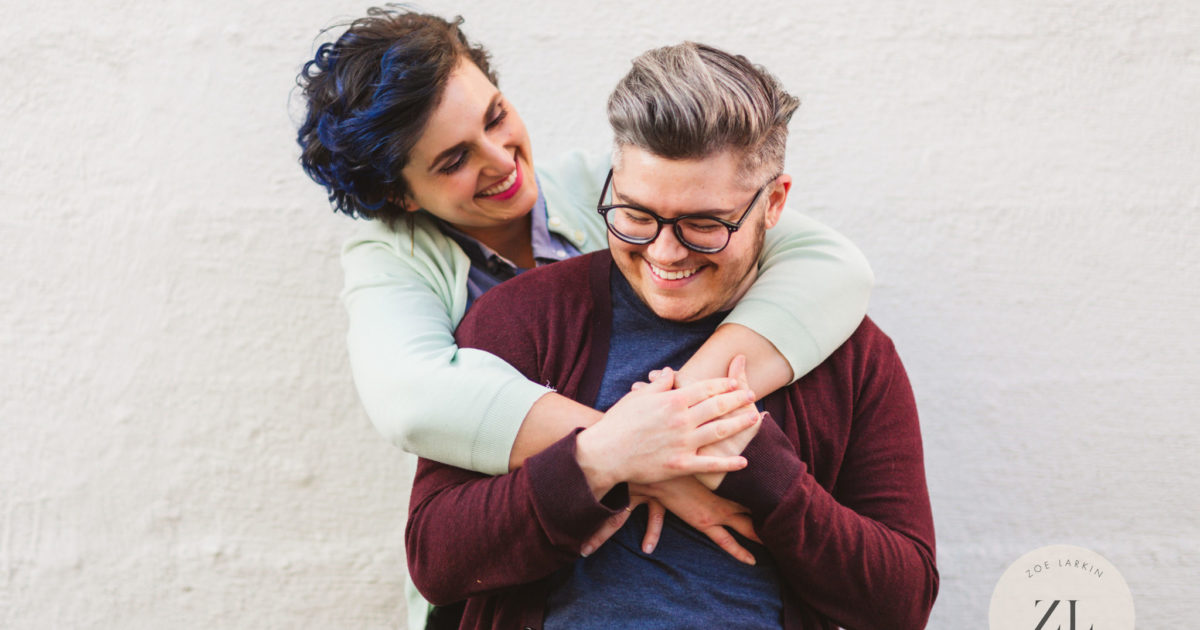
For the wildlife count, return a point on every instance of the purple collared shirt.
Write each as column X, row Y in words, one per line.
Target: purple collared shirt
column 489, row 269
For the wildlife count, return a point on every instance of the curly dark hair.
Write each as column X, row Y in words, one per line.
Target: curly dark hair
column 369, row 95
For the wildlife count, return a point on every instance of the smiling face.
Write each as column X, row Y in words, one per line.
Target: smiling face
column 472, row 165
column 676, row 283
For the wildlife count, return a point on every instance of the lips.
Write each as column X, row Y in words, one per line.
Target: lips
column 505, row 188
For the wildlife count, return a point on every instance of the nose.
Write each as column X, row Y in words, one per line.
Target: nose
column 498, row 159
column 666, row 248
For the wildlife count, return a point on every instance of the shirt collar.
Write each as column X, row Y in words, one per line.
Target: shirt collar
column 545, row 249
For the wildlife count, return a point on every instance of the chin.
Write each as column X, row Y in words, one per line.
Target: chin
column 679, row 310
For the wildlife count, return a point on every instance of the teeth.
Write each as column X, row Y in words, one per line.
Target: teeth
column 502, row 186
column 672, row 275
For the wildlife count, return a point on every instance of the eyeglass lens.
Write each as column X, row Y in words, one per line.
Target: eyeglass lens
column 638, row 225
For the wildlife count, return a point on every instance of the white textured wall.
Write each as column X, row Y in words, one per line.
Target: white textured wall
column 180, row 443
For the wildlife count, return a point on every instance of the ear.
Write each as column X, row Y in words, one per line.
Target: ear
column 406, row 203
column 777, row 198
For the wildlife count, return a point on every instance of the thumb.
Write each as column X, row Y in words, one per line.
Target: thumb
column 660, row 380
column 737, row 370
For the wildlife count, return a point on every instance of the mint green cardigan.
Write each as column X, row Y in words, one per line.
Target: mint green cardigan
column 406, row 290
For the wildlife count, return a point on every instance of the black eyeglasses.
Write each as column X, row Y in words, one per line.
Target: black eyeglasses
column 697, row 232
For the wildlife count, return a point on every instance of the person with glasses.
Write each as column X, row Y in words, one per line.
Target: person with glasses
column 405, row 126
column 835, row 481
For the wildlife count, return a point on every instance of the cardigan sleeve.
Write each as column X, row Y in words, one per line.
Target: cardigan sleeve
column 468, row 534
column 811, row 293
column 405, row 291
column 863, row 553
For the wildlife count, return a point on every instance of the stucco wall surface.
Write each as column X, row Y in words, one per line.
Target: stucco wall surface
column 181, row 442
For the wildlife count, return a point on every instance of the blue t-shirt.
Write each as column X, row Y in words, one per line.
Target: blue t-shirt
column 688, row 581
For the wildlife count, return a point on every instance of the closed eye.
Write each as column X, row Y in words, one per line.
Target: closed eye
column 455, row 164
column 499, row 118
column 633, row 216
column 703, row 226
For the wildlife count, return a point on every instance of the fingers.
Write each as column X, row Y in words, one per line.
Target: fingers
column 610, row 527
column 654, row 525
column 660, row 381
column 742, row 524
column 726, row 541
column 720, row 405
column 718, row 430
column 702, row 390
column 700, row 464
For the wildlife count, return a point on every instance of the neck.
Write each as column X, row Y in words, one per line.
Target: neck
column 511, row 240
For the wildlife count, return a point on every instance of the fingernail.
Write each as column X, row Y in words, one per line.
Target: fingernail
column 586, row 551
column 655, row 373
column 749, row 396
column 648, row 548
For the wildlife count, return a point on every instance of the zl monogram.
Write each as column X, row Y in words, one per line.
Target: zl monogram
column 1050, row 611
column 1070, row 588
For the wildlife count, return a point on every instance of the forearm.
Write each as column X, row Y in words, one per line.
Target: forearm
column 862, row 563
column 460, row 407
column 550, row 418
column 811, row 292
column 766, row 368
column 853, row 569
column 468, row 533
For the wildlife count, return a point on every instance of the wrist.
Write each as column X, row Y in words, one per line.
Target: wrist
column 600, row 476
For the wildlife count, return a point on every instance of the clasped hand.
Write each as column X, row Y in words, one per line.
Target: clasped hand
column 665, row 442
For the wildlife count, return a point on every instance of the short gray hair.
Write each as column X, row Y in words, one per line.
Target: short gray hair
column 691, row 101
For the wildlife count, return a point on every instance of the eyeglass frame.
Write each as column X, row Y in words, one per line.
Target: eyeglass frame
column 731, row 226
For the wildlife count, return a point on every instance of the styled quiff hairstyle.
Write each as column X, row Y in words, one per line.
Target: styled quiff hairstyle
column 369, row 95
column 691, row 101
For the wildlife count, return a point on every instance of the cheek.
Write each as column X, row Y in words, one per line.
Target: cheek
column 517, row 131
column 442, row 196
column 454, row 189
column 624, row 255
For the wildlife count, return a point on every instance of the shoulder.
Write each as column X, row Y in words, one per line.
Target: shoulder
column 414, row 242
column 868, row 341
column 867, row 353
column 413, row 256
column 571, row 184
column 561, row 289
column 400, row 236
column 859, row 363
column 574, row 173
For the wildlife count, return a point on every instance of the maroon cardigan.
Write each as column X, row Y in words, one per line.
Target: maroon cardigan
column 835, row 485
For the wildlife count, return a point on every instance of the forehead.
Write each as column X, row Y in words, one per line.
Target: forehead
column 669, row 187
column 460, row 113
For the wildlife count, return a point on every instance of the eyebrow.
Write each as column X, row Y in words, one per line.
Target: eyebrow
column 487, row 116
column 630, row 201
